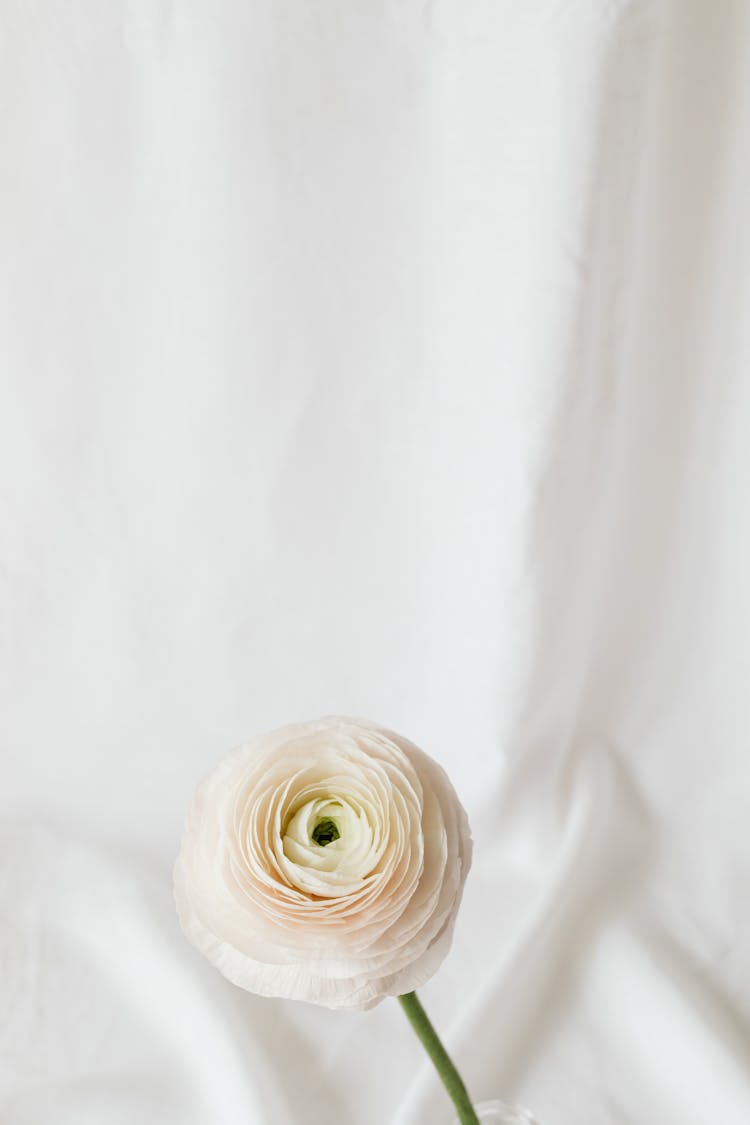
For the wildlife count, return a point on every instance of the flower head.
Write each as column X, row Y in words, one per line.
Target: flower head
column 324, row 861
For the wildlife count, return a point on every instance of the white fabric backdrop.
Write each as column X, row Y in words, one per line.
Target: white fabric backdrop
column 385, row 358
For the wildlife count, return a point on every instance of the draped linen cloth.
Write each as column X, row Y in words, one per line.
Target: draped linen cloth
column 387, row 359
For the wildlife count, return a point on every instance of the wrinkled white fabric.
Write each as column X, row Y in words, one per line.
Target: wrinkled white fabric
column 385, row 359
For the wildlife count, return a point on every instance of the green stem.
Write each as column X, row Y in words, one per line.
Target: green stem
column 450, row 1077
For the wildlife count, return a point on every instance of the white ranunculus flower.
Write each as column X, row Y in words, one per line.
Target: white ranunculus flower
column 324, row 861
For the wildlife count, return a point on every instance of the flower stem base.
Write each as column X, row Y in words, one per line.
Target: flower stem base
column 443, row 1063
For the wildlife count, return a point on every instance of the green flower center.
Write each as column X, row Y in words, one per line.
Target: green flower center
column 325, row 831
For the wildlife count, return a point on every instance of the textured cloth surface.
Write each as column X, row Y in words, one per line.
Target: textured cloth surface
column 386, row 359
